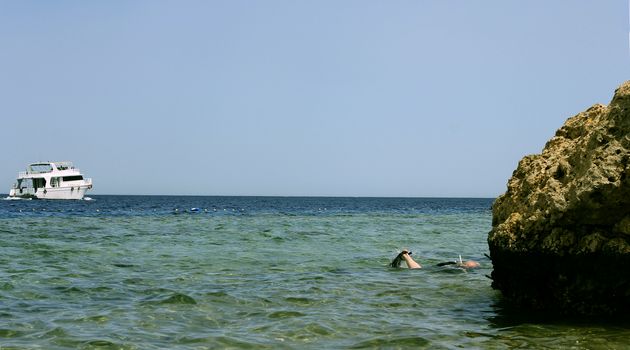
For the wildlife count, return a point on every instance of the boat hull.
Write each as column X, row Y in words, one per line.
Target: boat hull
column 76, row 192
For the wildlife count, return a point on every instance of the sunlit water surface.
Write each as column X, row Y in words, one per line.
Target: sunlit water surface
column 159, row 272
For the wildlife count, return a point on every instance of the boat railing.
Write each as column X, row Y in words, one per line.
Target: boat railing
column 25, row 173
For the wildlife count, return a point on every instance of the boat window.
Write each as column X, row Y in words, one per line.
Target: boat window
column 41, row 168
column 54, row 182
column 73, row 178
column 25, row 183
column 39, row 182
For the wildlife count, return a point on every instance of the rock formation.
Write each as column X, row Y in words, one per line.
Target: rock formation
column 560, row 238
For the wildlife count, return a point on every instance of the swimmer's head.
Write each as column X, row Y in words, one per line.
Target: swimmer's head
column 469, row 264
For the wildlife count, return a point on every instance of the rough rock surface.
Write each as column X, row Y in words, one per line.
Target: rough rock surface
column 560, row 238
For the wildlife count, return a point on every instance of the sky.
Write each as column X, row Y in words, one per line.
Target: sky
column 422, row 98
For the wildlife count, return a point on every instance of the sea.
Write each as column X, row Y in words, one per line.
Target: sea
column 187, row 272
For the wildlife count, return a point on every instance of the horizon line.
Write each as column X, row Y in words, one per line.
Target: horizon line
column 287, row 196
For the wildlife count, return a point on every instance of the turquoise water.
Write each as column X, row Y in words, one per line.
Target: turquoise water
column 125, row 272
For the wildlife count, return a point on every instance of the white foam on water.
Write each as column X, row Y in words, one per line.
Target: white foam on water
column 16, row 199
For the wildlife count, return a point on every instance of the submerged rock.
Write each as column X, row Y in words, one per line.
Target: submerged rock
column 560, row 238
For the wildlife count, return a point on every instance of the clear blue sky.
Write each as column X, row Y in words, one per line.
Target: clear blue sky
column 340, row 98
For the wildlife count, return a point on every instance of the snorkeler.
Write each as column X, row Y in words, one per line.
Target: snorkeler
column 468, row 264
column 412, row 264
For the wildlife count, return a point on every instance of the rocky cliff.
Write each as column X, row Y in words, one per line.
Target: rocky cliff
column 560, row 238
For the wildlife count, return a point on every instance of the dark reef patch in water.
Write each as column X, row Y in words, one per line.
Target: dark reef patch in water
column 178, row 298
column 285, row 314
column 410, row 342
column 300, row 300
column 10, row 333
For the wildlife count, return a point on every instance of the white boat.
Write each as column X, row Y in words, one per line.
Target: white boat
column 50, row 180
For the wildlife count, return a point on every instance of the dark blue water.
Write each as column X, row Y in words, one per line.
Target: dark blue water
column 169, row 272
column 161, row 205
